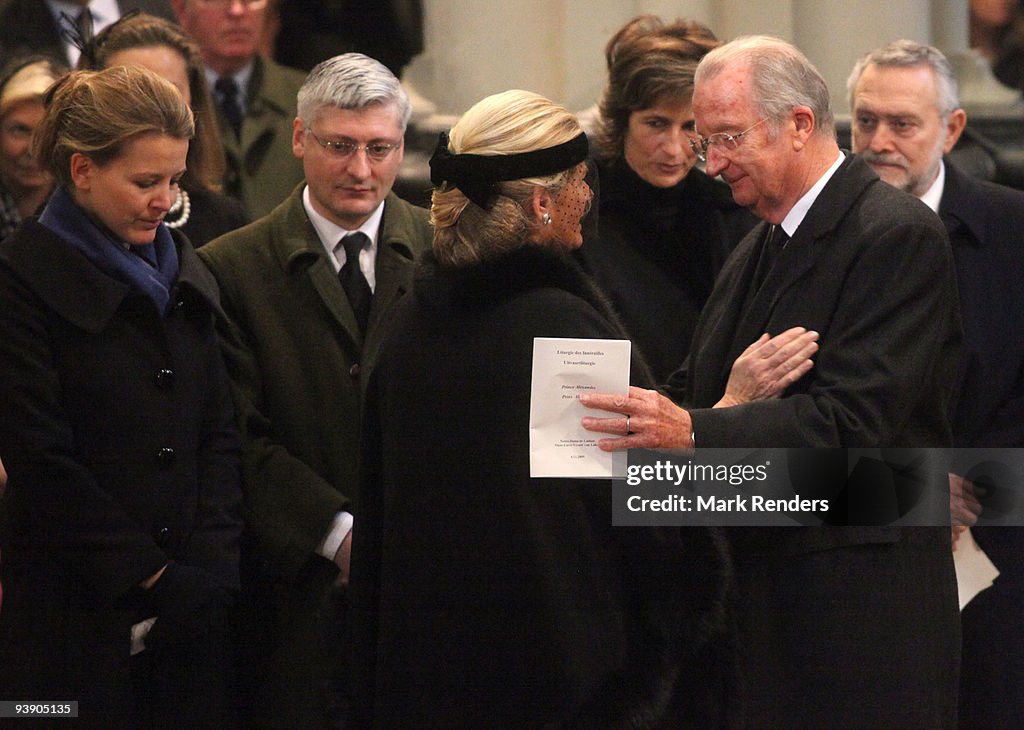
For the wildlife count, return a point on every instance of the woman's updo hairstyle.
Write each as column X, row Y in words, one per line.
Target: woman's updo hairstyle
column 508, row 123
column 95, row 113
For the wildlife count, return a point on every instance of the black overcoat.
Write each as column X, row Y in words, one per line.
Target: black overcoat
column 986, row 227
column 848, row 626
column 657, row 253
column 119, row 438
column 483, row 597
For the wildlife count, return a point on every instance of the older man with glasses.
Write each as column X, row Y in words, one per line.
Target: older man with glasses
column 255, row 98
column 308, row 292
column 852, row 626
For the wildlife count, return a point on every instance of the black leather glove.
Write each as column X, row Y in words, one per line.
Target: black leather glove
column 187, row 602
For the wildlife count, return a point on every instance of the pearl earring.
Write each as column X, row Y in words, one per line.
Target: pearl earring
column 546, row 219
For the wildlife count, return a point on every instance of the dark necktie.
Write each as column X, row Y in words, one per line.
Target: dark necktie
column 775, row 241
column 227, row 93
column 352, row 279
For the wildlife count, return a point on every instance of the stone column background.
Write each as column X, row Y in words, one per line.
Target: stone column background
column 556, row 47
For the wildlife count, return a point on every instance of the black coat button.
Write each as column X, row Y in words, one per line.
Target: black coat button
column 165, row 457
column 354, row 370
column 163, row 536
column 165, row 379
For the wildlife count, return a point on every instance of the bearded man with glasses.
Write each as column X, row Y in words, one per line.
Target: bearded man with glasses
column 307, row 293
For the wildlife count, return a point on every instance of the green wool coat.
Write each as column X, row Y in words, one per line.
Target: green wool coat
column 298, row 362
column 261, row 169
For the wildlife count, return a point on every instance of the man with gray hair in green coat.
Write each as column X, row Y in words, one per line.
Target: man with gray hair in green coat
column 307, row 293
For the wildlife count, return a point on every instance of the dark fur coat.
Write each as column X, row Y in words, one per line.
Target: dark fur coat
column 484, row 597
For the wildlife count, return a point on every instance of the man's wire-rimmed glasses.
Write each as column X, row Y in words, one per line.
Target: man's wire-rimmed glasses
column 722, row 140
column 376, row 151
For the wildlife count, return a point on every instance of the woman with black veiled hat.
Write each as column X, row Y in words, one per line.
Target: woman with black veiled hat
column 483, row 597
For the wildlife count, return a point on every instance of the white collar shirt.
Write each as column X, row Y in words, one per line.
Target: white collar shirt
column 798, row 212
column 933, row 195
column 331, row 233
column 241, row 79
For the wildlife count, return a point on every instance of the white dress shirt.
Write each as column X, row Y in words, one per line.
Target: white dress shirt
column 331, row 233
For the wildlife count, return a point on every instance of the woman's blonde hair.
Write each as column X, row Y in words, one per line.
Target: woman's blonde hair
column 95, row 113
column 206, row 152
column 508, row 123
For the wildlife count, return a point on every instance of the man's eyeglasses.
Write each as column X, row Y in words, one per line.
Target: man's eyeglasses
column 224, row 4
column 722, row 140
column 376, row 151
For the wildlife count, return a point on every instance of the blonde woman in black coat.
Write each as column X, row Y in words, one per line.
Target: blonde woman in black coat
column 484, row 597
column 121, row 513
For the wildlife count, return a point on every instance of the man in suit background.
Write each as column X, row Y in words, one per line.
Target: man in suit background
column 307, row 292
column 30, row 27
column 833, row 626
column 906, row 117
column 255, row 98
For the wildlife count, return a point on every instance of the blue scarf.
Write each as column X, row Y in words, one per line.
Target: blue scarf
column 154, row 279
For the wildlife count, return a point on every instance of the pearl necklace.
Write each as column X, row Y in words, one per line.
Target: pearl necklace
column 183, row 204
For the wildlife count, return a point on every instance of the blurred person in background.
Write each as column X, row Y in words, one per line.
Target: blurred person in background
column 199, row 210
column 997, row 31
column 990, row 22
column 255, row 98
column 906, row 119
column 24, row 184
column 38, row 26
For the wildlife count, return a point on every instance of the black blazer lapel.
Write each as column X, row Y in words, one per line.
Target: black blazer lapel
column 722, row 316
column 792, row 264
column 799, row 257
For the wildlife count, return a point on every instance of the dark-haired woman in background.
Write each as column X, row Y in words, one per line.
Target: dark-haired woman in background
column 200, row 211
column 664, row 227
column 121, row 516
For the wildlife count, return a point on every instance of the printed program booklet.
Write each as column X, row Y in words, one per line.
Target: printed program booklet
column 562, row 370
